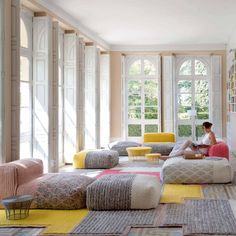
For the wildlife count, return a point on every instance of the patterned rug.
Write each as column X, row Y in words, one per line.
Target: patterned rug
column 200, row 217
column 114, row 222
column 155, row 232
column 7, row 231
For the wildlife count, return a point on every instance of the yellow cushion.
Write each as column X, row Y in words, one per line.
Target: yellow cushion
column 79, row 159
column 159, row 137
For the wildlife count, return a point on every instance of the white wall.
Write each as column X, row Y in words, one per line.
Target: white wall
column 231, row 119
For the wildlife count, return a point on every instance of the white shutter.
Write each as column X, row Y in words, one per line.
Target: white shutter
column 105, row 99
column 81, row 95
column 42, row 76
column 216, row 94
column 70, row 104
column 168, row 89
column 15, row 79
column 90, row 97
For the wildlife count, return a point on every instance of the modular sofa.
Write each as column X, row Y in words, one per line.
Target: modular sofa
column 51, row 190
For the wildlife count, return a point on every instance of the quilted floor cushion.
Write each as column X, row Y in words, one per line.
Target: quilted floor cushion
column 96, row 159
column 163, row 148
column 209, row 170
column 57, row 191
column 121, row 146
column 123, row 192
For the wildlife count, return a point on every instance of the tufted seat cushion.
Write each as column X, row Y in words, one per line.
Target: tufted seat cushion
column 123, row 192
column 209, row 170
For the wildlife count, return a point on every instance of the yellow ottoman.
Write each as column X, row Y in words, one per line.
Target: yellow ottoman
column 153, row 157
column 138, row 153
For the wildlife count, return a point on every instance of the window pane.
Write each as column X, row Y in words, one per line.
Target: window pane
column 186, row 68
column 134, row 100
column 184, row 86
column 135, row 68
column 134, row 113
column 202, row 86
column 24, row 69
column 25, row 121
column 134, row 87
column 183, row 112
column 134, row 130
column 24, row 94
column 202, row 113
column 200, row 68
column 151, row 113
column 151, row 128
column 199, row 131
column 151, row 92
column 24, row 41
column 184, row 130
column 149, row 68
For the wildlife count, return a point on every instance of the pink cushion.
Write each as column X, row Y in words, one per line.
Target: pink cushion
column 220, row 149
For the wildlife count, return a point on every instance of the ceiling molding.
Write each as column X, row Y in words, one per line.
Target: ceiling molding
column 61, row 14
column 166, row 47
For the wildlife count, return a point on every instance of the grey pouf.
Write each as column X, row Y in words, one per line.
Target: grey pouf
column 121, row 146
column 96, row 159
column 123, row 192
column 162, row 148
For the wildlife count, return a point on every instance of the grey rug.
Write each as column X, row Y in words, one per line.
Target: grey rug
column 20, row 231
column 201, row 217
column 114, row 222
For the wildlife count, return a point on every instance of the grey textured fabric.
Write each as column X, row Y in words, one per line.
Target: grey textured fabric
column 101, row 159
column 163, row 148
column 114, row 222
column 110, row 192
column 62, row 191
column 202, row 217
column 121, row 146
column 178, row 170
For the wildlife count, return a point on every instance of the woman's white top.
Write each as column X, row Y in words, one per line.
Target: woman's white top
column 206, row 141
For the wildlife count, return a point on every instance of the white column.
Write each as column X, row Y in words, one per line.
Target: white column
column 42, row 82
column 15, row 79
column 105, row 99
column 92, row 106
column 168, row 94
column 216, row 94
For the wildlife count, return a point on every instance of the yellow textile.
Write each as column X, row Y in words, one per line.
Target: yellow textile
column 79, row 159
column 138, row 151
column 159, row 138
column 55, row 221
column 176, row 193
column 153, row 156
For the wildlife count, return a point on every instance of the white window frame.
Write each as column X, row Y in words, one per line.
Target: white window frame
column 193, row 122
column 128, row 61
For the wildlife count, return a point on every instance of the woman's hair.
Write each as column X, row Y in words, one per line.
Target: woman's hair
column 207, row 124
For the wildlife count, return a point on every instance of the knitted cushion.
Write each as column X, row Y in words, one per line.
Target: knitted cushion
column 209, row 170
column 123, row 192
column 220, row 149
column 163, row 148
column 96, row 159
column 121, row 146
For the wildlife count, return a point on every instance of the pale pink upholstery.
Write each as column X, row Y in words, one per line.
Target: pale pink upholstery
column 220, row 149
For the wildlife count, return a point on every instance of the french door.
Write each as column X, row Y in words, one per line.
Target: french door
column 193, row 96
column 142, row 96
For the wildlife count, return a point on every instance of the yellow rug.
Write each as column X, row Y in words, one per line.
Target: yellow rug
column 176, row 193
column 55, row 221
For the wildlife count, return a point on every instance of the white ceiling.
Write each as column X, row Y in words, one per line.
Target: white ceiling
column 155, row 22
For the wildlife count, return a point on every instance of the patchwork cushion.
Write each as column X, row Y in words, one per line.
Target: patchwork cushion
column 209, row 170
column 163, row 148
column 58, row 191
column 123, row 192
column 96, row 159
column 121, row 146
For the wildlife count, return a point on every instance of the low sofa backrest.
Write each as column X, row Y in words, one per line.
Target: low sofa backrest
column 159, row 138
column 16, row 173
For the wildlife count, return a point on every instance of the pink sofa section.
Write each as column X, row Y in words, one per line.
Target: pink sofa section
column 220, row 149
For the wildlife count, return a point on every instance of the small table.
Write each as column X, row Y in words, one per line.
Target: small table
column 153, row 157
column 138, row 153
column 17, row 207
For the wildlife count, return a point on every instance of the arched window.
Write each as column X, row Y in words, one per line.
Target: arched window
column 135, row 68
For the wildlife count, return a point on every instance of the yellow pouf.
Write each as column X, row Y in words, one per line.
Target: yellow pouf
column 153, row 157
column 137, row 153
column 79, row 159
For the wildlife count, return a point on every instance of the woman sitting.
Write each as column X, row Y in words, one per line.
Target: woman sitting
column 201, row 148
